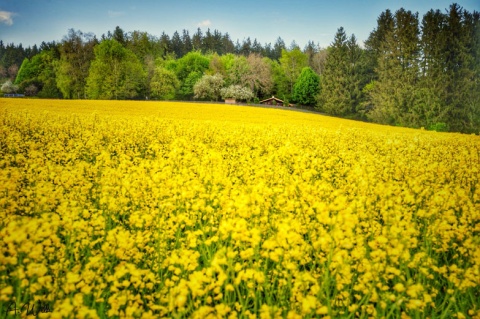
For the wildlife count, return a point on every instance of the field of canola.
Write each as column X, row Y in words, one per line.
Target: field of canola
column 148, row 210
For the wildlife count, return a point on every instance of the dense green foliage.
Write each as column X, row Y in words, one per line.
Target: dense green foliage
column 164, row 84
column 342, row 77
column 307, row 87
column 426, row 73
column 115, row 73
column 412, row 72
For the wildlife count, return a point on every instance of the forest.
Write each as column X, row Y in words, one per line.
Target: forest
column 420, row 72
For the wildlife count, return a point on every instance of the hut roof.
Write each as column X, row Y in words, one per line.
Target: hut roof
column 273, row 98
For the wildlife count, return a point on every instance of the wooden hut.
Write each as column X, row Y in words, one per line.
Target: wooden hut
column 273, row 101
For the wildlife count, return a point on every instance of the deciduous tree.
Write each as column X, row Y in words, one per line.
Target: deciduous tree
column 193, row 61
column 76, row 53
column 260, row 78
column 238, row 71
column 164, row 84
column 39, row 72
column 115, row 73
column 208, row 87
column 307, row 87
column 292, row 63
column 237, row 92
column 8, row 87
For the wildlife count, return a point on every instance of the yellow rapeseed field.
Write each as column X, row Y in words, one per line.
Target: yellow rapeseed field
column 181, row 210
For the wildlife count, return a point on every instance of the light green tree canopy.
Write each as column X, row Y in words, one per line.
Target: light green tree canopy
column 164, row 84
column 193, row 61
column 76, row 54
column 307, row 87
column 27, row 71
column 115, row 73
column 39, row 73
column 292, row 63
column 188, row 69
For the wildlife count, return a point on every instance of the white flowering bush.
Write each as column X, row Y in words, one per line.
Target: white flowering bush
column 237, row 92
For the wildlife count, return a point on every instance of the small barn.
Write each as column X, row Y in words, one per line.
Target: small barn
column 273, row 101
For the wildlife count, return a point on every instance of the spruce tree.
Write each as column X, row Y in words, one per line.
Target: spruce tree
column 393, row 94
column 462, row 87
column 431, row 107
column 342, row 78
column 375, row 44
column 186, row 42
column 177, row 45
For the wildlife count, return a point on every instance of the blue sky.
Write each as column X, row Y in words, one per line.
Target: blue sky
column 33, row 21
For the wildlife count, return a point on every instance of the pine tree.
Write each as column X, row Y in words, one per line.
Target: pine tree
column 177, row 45
column 187, row 42
column 119, row 35
column 375, row 44
column 278, row 48
column 342, row 78
column 256, row 47
column 197, row 40
column 208, row 45
column 462, row 87
column 430, row 107
column 227, row 44
column 165, row 45
column 393, row 95
column 246, row 48
column 310, row 50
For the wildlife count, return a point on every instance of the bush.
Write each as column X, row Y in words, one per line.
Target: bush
column 439, row 127
column 8, row 87
column 209, row 87
column 31, row 90
column 237, row 92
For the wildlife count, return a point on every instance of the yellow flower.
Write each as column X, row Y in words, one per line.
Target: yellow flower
column 399, row 287
column 170, row 209
column 322, row 310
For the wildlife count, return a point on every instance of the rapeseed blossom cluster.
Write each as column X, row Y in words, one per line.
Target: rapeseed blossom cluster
column 148, row 210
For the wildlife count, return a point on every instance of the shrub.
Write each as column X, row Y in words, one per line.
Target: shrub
column 237, row 92
column 439, row 127
column 208, row 87
column 8, row 87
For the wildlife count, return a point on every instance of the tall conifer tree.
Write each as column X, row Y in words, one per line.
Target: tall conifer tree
column 462, row 86
column 393, row 94
column 342, row 78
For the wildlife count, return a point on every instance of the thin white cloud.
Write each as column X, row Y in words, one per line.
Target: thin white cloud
column 6, row 17
column 205, row 23
column 115, row 14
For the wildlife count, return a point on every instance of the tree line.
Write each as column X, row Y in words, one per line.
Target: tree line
column 410, row 72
